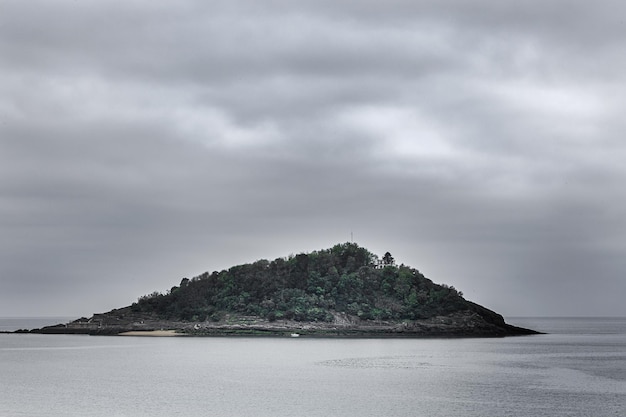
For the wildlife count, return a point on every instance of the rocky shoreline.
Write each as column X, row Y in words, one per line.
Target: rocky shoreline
column 460, row 324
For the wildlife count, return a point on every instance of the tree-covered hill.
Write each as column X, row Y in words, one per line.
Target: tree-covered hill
column 345, row 291
column 308, row 287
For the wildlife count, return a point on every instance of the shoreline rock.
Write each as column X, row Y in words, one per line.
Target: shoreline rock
column 462, row 324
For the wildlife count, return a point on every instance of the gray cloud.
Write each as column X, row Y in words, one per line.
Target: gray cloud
column 141, row 142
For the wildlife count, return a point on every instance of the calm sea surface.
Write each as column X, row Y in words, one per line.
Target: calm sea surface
column 579, row 369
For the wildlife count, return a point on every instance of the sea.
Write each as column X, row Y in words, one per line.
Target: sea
column 578, row 368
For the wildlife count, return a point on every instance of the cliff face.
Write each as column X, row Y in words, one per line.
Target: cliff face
column 342, row 291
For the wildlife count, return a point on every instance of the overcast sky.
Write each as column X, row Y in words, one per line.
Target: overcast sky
column 143, row 141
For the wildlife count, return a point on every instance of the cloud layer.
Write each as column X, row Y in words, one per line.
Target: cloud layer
column 141, row 142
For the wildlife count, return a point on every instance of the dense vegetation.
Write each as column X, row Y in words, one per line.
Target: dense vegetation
column 308, row 287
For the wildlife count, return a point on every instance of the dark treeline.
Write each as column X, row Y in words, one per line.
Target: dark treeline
column 308, row 287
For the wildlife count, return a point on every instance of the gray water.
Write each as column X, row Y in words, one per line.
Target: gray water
column 11, row 324
column 577, row 370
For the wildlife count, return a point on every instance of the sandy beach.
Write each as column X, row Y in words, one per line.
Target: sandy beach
column 152, row 333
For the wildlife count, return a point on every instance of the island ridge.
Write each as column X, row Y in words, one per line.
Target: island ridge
column 344, row 291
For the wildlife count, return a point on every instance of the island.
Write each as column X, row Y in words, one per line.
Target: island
column 344, row 291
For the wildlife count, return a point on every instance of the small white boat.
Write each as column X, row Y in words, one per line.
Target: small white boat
column 295, row 335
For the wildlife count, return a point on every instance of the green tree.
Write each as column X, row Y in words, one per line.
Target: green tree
column 388, row 259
